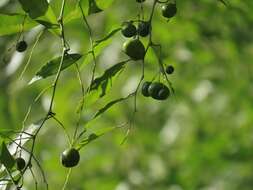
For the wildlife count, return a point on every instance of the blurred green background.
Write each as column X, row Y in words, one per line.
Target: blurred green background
column 199, row 139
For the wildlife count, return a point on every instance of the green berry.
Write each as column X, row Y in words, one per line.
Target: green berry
column 128, row 29
column 21, row 46
column 154, row 89
column 144, row 89
column 163, row 93
column 144, row 28
column 169, row 69
column 20, row 163
column 70, row 158
column 134, row 49
column 169, row 10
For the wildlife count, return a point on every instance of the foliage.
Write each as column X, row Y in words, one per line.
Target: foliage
column 199, row 138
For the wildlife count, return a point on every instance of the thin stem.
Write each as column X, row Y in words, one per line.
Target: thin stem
column 64, row 129
column 82, row 101
column 92, row 51
column 66, row 180
column 30, row 56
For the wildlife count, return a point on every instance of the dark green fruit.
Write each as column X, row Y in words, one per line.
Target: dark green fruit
column 140, row 1
column 70, row 158
column 128, row 29
column 144, row 28
column 154, row 89
column 169, row 69
column 169, row 10
column 134, row 49
column 163, row 93
column 21, row 46
column 20, row 163
column 144, row 89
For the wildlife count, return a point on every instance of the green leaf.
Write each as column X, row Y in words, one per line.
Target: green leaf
column 76, row 13
column 95, row 135
column 12, row 23
column 104, row 4
column 51, row 67
column 49, row 20
column 34, row 8
column 108, row 74
column 93, row 8
column 97, row 42
column 110, row 104
column 5, row 157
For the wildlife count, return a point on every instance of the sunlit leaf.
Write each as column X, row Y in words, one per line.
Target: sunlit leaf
column 12, row 23
column 49, row 20
column 51, row 67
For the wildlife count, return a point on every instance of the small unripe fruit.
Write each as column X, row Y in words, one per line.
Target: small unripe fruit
column 169, row 10
column 128, row 29
column 144, row 28
column 144, row 89
column 70, row 158
column 21, row 46
column 163, row 93
column 169, row 69
column 134, row 49
column 20, row 163
column 154, row 89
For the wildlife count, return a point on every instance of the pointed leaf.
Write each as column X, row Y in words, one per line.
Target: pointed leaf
column 5, row 157
column 110, row 104
column 93, row 8
column 34, row 8
column 51, row 67
column 97, row 42
column 95, row 135
column 49, row 20
column 108, row 74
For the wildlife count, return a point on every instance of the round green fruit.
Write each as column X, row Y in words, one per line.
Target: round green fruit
column 144, row 28
column 169, row 10
column 70, row 158
column 169, row 69
column 21, row 46
column 20, row 163
column 163, row 93
column 154, row 89
column 144, row 89
column 134, row 49
column 128, row 29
